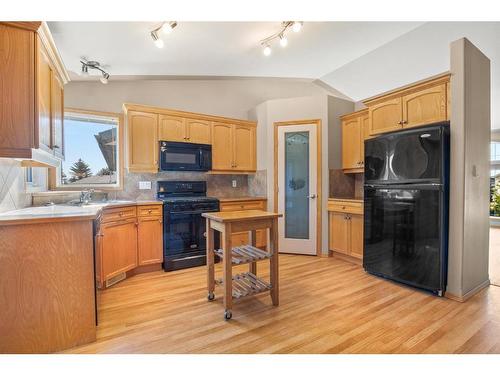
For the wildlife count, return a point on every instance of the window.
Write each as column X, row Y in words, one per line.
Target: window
column 92, row 150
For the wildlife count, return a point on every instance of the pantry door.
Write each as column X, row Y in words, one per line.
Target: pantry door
column 297, row 188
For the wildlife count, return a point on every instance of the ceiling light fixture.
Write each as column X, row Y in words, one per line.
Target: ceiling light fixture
column 94, row 65
column 167, row 28
column 281, row 35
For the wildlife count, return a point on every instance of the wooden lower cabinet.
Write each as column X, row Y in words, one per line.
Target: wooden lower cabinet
column 346, row 227
column 119, row 247
column 128, row 237
column 149, row 240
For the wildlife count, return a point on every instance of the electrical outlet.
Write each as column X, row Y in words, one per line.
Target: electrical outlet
column 234, row 183
column 144, row 185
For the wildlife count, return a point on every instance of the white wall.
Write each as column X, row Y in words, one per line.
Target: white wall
column 224, row 97
column 302, row 108
column 469, row 169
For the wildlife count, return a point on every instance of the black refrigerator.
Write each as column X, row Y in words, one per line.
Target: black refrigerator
column 406, row 193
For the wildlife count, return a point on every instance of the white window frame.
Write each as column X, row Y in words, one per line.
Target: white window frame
column 55, row 179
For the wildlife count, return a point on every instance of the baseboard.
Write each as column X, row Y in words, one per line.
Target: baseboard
column 469, row 294
column 346, row 258
column 144, row 269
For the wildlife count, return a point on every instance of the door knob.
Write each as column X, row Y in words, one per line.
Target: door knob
column 312, row 196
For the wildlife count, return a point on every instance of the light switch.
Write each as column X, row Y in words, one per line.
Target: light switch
column 234, row 183
column 144, row 185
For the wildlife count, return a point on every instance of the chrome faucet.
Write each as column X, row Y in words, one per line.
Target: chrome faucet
column 86, row 196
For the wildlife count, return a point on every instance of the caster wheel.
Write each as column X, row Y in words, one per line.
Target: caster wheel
column 211, row 296
column 228, row 315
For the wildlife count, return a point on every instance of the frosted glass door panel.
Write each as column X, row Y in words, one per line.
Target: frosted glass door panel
column 297, row 185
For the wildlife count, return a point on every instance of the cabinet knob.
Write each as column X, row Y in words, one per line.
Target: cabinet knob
column 404, row 122
column 160, row 221
column 149, row 211
column 343, row 207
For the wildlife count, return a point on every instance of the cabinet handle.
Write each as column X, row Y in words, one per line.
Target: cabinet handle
column 160, row 221
column 100, row 234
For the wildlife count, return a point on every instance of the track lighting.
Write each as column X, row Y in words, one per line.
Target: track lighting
column 94, row 65
column 281, row 35
column 156, row 39
column 297, row 26
column 267, row 50
column 104, row 78
column 283, row 41
column 167, row 28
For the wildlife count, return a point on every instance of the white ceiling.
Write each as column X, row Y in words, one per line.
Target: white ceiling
column 220, row 48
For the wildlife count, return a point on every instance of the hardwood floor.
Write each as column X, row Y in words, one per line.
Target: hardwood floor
column 327, row 305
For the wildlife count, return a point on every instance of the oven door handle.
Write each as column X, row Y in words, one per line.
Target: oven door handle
column 176, row 213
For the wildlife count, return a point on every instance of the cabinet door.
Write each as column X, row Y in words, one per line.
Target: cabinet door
column 198, row 131
column 425, row 106
column 244, row 148
column 142, row 134
column 385, row 116
column 17, row 78
column 356, row 235
column 339, row 232
column 172, row 128
column 365, row 134
column 44, row 78
column 222, row 146
column 351, row 142
column 57, row 115
column 119, row 247
column 150, row 240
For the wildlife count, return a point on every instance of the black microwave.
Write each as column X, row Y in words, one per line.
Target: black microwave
column 180, row 156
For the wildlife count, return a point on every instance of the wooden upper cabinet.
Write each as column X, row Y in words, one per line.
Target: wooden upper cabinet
column 44, row 73
column 233, row 141
column 57, row 116
column 385, row 116
column 351, row 141
column 142, row 134
column 172, row 128
column 17, row 77
column 424, row 103
column 425, row 106
column 118, row 247
column 244, row 148
column 198, row 131
column 149, row 240
column 222, row 146
column 29, row 64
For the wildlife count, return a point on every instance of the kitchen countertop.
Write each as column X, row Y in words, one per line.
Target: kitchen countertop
column 346, row 199
column 239, row 199
column 63, row 212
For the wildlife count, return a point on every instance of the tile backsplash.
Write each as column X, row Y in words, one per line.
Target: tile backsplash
column 217, row 185
column 343, row 185
column 13, row 193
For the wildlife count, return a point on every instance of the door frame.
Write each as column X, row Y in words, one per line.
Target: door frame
column 316, row 122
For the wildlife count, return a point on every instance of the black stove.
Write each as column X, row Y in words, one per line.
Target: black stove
column 184, row 229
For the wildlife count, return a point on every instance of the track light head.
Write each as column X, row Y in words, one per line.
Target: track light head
column 167, row 27
column 156, row 39
column 283, row 40
column 297, row 26
column 267, row 50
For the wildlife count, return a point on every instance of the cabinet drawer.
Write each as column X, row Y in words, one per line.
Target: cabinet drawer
column 347, row 207
column 153, row 210
column 243, row 205
column 113, row 214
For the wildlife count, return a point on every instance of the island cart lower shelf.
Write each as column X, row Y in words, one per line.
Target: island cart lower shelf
column 246, row 283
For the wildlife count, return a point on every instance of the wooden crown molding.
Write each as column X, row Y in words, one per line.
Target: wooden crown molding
column 25, row 25
column 174, row 112
column 52, row 51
